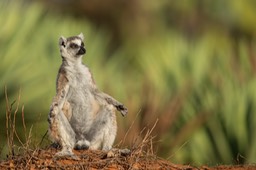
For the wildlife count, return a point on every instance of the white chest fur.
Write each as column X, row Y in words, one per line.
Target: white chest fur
column 79, row 76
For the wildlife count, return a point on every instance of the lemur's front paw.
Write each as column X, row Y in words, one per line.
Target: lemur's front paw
column 122, row 109
column 54, row 109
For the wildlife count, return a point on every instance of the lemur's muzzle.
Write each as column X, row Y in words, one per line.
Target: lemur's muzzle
column 81, row 51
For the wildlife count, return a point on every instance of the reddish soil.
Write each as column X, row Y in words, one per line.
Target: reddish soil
column 87, row 159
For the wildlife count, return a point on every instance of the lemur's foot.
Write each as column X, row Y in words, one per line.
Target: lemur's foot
column 66, row 153
column 118, row 152
column 55, row 145
column 82, row 145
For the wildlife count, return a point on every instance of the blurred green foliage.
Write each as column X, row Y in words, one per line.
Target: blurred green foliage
column 196, row 77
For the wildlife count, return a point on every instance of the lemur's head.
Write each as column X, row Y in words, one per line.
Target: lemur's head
column 72, row 47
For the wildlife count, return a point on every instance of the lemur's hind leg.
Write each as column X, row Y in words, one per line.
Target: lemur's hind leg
column 61, row 131
column 109, row 133
column 103, row 135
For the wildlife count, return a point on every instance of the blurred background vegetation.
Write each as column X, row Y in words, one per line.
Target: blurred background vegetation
column 191, row 65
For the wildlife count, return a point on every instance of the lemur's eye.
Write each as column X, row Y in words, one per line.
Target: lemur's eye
column 82, row 44
column 73, row 45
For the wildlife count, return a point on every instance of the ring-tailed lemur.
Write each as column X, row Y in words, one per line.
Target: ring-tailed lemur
column 80, row 116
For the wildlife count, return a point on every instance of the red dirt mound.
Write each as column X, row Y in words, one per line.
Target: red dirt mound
column 88, row 159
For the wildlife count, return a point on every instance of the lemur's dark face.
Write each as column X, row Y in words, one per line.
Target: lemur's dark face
column 72, row 46
column 79, row 49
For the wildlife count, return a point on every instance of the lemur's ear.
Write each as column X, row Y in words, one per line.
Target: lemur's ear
column 81, row 35
column 62, row 41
